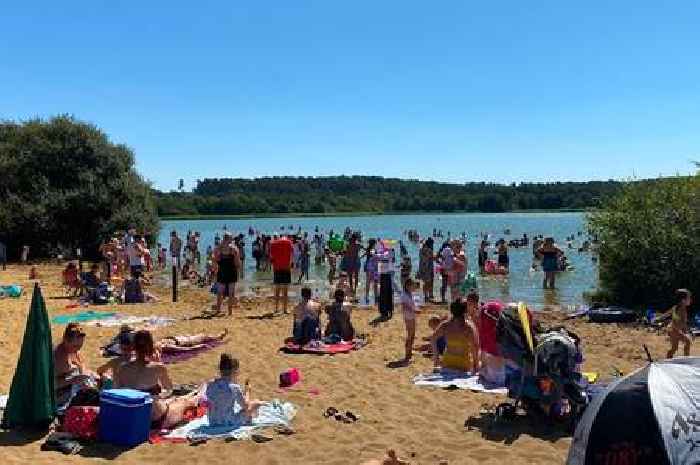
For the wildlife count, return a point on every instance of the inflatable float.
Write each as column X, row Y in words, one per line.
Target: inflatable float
column 491, row 267
column 612, row 315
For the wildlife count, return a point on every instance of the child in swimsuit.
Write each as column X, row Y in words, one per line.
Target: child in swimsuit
column 679, row 330
column 408, row 306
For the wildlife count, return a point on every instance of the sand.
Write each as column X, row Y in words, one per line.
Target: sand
column 424, row 425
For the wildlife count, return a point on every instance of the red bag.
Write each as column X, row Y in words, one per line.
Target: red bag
column 82, row 422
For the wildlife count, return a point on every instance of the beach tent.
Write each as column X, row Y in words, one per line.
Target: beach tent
column 32, row 400
column 651, row 417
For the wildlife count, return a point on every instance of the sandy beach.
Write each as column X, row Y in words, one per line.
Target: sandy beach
column 424, row 425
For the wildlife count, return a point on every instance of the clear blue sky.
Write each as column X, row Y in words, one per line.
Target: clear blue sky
column 454, row 91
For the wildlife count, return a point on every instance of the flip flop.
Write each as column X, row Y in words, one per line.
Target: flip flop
column 284, row 430
column 351, row 416
column 259, row 438
column 330, row 412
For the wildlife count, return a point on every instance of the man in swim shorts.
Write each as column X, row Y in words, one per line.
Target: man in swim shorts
column 281, row 258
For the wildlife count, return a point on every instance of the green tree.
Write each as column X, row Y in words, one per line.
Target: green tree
column 650, row 241
column 66, row 185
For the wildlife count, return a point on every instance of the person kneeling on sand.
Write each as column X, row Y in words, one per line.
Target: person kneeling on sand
column 339, row 321
column 132, row 290
column 144, row 374
column 229, row 404
column 306, row 319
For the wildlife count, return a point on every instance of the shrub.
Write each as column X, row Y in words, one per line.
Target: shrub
column 64, row 184
column 650, row 241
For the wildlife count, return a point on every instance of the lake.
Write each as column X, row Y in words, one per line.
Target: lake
column 520, row 284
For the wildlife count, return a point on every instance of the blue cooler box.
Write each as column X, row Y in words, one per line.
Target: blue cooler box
column 125, row 416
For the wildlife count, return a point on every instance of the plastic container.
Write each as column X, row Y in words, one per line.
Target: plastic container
column 125, row 417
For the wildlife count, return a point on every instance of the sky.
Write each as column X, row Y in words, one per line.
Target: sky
column 455, row 91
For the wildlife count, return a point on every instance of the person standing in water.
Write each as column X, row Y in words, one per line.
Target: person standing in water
column 678, row 330
column 228, row 260
column 352, row 255
column 281, row 255
column 426, row 268
column 549, row 254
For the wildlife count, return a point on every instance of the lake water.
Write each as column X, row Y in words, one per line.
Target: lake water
column 520, row 284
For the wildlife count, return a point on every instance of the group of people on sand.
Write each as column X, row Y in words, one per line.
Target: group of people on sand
column 138, row 367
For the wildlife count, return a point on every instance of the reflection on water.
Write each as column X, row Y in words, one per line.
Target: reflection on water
column 521, row 284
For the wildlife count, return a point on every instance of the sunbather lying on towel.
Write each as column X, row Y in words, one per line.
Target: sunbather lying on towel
column 229, row 404
column 188, row 342
column 144, row 374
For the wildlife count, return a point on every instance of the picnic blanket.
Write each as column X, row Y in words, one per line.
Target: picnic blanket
column 319, row 348
column 140, row 322
column 460, row 380
column 270, row 414
column 13, row 290
column 176, row 356
column 82, row 317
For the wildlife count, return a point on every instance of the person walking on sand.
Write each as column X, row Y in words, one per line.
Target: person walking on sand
column 281, row 260
column 678, row 330
column 408, row 307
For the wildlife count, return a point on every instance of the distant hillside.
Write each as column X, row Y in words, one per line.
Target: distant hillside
column 345, row 194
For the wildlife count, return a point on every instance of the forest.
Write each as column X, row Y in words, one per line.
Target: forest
column 375, row 194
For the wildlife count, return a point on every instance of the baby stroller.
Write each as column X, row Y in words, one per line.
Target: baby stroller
column 542, row 378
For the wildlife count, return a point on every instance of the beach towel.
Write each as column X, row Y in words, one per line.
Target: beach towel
column 82, row 317
column 460, row 380
column 12, row 290
column 320, row 349
column 171, row 357
column 270, row 414
column 138, row 322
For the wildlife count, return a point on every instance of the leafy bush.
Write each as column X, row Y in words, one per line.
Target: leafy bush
column 65, row 185
column 650, row 241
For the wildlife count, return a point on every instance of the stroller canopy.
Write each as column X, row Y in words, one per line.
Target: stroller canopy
column 651, row 417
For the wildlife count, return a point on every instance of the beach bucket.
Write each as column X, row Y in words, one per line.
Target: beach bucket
column 290, row 377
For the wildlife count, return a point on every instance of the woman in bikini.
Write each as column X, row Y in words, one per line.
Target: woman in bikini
column 228, row 262
column 678, row 330
column 71, row 374
column 461, row 352
column 143, row 374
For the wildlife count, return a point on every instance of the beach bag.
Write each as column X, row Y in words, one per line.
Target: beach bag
column 290, row 377
column 82, row 422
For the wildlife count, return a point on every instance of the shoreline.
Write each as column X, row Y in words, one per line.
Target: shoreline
column 351, row 214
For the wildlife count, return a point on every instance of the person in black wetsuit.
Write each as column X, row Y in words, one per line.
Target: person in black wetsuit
column 228, row 262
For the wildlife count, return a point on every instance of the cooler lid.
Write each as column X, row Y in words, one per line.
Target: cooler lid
column 126, row 396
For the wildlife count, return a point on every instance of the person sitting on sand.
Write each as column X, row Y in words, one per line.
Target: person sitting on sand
column 679, row 331
column 306, row 319
column 229, row 405
column 109, row 370
column 70, row 278
column 132, row 290
column 143, row 374
column 339, row 318
column 433, row 324
column 461, row 352
column 71, row 374
column 91, row 279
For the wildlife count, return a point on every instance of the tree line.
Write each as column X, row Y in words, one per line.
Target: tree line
column 375, row 194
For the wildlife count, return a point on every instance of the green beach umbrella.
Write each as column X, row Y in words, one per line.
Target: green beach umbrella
column 32, row 400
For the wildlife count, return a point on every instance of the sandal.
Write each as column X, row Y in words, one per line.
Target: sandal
column 330, row 412
column 351, row 416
